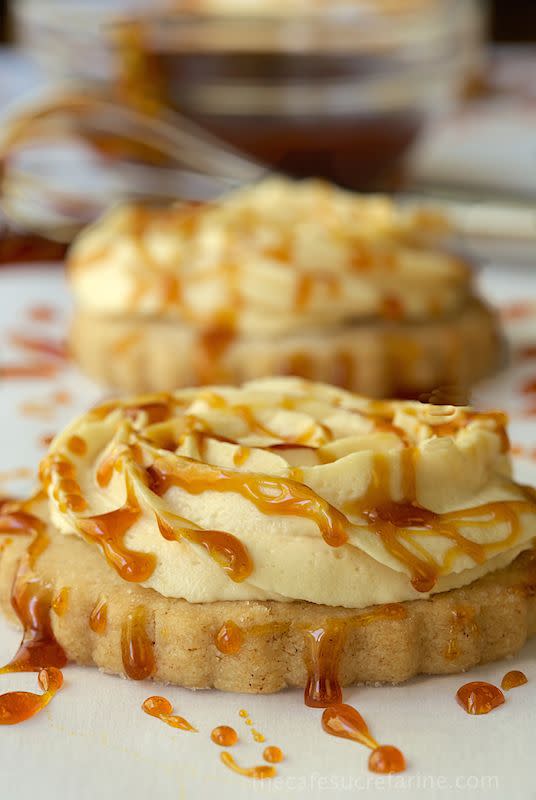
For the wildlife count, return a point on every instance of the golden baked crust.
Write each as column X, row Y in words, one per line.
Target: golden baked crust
column 377, row 358
column 451, row 632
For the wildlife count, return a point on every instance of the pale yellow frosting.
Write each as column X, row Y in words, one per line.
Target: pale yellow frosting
column 240, row 458
column 276, row 257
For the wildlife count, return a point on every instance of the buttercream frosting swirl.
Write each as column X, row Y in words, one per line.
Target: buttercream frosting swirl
column 289, row 490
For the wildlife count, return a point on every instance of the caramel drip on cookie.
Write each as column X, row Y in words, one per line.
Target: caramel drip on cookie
column 109, row 530
column 302, row 365
column 326, row 644
column 32, row 602
column 67, row 492
column 252, row 423
column 60, row 603
column 137, row 649
column 18, row 522
column 227, row 550
column 398, row 523
column 212, row 345
column 344, row 370
column 324, row 647
column 271, row 495
column 31, row 598
column 98, row 619
column 498, row 418
column 462, row 624
column 77, row 445
column 230, row 638
column 241, row 456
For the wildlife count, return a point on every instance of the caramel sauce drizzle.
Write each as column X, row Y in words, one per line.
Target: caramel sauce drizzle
column 227, row 550
column 106, row 468
column 65, row 471
column 326, row 644
column 271, row 495
column 161, row 708
column 396, row 523
column 513, row 679
column 304, row 290
column 224, row 736
column 346, row 722
column 259, row 773
column 241, row 455
column 137, row 649
column 16, row 707
column 230, row 638
column 98, row 619
column 108, row 532
column 32, row 603
column 479, row 697
column 252, row 423
column 18, row 522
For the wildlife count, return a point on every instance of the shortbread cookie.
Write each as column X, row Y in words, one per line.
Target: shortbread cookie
column 382, row 359
column 252, row 538
column 456, row 630
column 282, row 278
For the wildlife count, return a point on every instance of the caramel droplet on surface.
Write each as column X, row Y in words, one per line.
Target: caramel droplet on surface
column 136, row 647
column 161, row 708
column 224, row 736
column 345, row 721
column 98, row 619
column 229, row 638
column 259, row 773
column 258, row 736
column 513, row 679
column 386, row 759
column 479, row 697
column 32, row 602
column 273, row 754
column 16, row 707
column 243, row 713
column 60, row 604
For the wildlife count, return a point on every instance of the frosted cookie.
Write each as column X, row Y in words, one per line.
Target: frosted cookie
column 280, row 534
column 280, row 278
